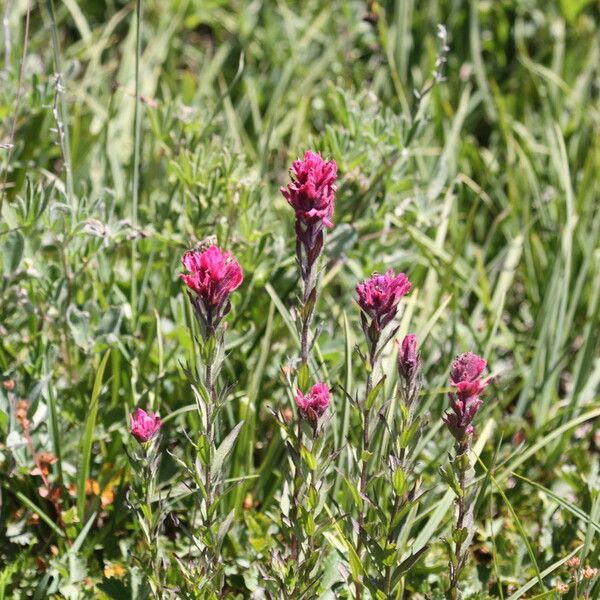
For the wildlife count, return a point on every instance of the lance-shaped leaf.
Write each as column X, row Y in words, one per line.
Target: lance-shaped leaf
column 225, row 449
column 374, row 393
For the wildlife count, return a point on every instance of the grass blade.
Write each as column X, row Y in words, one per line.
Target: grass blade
column 88, row 437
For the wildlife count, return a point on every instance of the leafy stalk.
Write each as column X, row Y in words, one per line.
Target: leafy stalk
column 463, row 530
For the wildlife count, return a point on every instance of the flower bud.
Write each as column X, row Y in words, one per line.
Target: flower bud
column 380, row 295
column 144, row 425
column 465, row 401
column 313, row 405
column 409, row 361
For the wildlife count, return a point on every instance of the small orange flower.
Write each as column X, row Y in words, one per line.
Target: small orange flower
column 114, row 570
column 92, row 488
column 107, row 497
column 45, row 459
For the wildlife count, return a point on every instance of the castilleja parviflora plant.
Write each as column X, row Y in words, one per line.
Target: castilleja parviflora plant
column 379, row 298
column 311, row 194
column 465, row 400
column 211, row 276
column 143, row 498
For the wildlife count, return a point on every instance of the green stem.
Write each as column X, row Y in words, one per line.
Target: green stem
column 62, row 124
column 210, row 387
column 454, row 592
column 136, row 154
column 153, row 540
column 388, row 569
column 295, row 549
column 365, row 463
column 309, row 286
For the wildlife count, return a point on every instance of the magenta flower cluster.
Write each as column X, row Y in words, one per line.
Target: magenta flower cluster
column 313, row 405
column 409, row 361
column 144, row 425
column 380, row 295
column 465, row 399
column 312, row 191
column 213, row 275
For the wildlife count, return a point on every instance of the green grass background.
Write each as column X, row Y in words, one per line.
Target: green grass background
column 485, row 192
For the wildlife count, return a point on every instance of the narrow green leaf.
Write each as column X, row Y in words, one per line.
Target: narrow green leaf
column 38, row 511
column 518, row 525
column 88, row 437
column 303, row 377
column 407, row 564
column 309, row 458
column 374, row 393
column 225, row 449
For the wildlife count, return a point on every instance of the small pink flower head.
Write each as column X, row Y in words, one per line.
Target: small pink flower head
column 144, row 425
column 380, row 295
column 466, row 367
column 313, row 405
column 409, row 360
column 213, row 276
column 465, row 401
column 312, row 190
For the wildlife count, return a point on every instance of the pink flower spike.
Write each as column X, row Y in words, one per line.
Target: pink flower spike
column 312, row 191
column 380, row 295
column 144, row 425
column 213, row 275
column 466, row 367
column 465, row 400
column 314, row 404
column 408, row 357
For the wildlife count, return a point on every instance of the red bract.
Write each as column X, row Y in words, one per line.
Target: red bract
column 312, row 190
column 408, row 357
column 144, row 425
column 213, row 275
column 466, row 367
column 314, row 404
column 380, row 295
column 465, row 400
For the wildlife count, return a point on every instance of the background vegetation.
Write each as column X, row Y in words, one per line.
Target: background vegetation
column 484, row 191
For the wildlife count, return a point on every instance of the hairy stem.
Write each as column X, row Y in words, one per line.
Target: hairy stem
column 212, row 395
column 210, row 388
column 388, row 569
column 153, row 542
column 465, row 508
column 308, row 272
column 295, row 549
column 364, row 449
